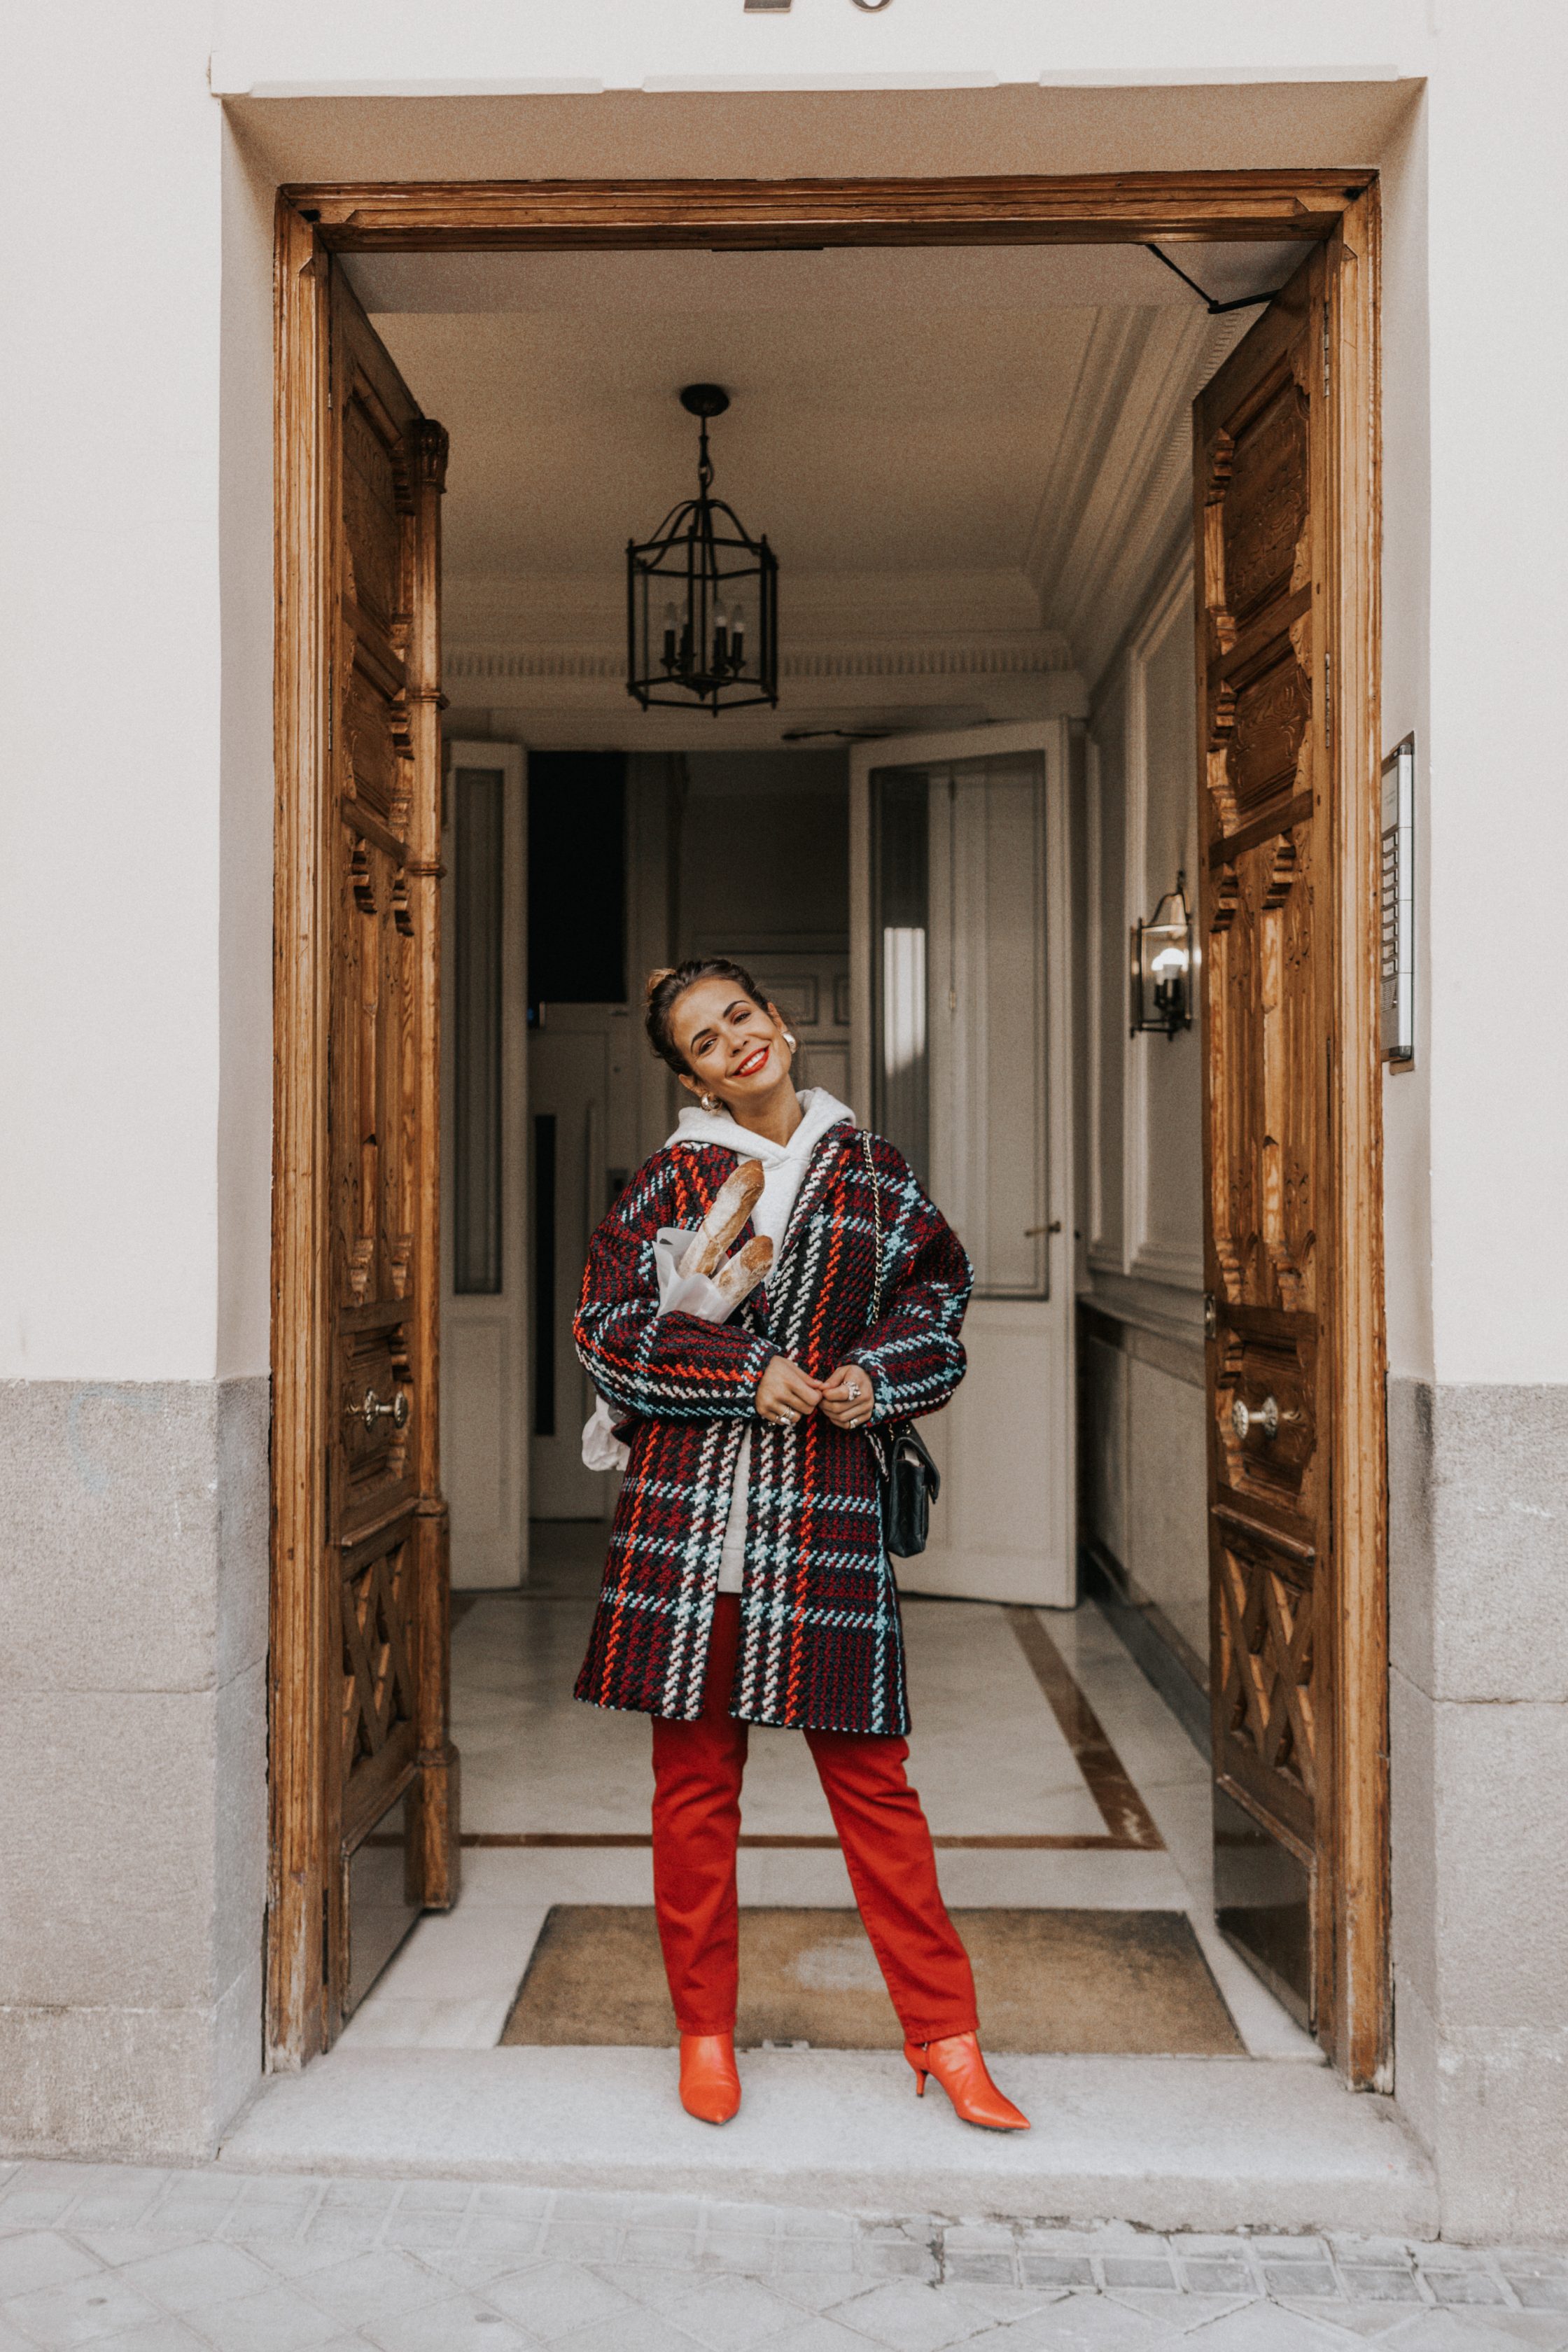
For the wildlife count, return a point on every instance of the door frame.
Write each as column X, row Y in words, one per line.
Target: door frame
column 1336, row 208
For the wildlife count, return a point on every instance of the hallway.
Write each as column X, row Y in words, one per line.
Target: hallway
column 1053, row 1775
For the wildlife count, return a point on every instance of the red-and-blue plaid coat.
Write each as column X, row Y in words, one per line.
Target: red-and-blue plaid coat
column 821, row 1644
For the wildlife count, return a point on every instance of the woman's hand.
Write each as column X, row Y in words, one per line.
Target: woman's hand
column 787, row 1393
column 849, row 1396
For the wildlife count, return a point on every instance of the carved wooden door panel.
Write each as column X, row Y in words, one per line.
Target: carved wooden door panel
column 395, row 1771
column 1264, row 723
column 364, row 1779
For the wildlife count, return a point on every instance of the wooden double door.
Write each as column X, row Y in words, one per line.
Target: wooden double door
column 363, row 1777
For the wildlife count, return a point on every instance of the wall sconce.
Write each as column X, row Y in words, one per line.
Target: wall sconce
column 1162, row 965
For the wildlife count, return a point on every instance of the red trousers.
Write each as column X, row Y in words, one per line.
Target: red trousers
column 697, row 1769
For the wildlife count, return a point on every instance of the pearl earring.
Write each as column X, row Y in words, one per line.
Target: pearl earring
column 711, row 1104
column 789, row 1040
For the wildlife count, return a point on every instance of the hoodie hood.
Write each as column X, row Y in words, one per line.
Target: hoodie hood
column 820, row 1111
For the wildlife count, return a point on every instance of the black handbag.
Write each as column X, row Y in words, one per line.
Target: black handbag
column 907, row 1480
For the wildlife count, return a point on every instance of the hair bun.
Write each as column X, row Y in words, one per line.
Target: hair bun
column 656, row 981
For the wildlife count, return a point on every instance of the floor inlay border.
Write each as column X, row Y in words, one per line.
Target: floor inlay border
column 1084, row 1842
column 1128, row 1820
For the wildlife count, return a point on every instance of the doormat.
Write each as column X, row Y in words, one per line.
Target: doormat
column 1122, row 1983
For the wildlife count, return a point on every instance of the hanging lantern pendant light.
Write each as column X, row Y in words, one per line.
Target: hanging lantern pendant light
column 714, row 588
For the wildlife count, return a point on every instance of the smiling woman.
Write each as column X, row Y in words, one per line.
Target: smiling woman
column 748, row 1579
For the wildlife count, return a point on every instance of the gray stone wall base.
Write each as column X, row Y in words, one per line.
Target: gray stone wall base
column 1478, row 1741
column 133, row 1763
column 139, row 2084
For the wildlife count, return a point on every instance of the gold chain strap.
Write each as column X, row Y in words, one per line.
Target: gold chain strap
column 876, row 1222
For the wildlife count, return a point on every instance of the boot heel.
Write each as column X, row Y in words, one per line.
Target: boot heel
column 958, row 2067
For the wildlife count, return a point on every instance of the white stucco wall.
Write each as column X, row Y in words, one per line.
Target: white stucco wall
column 109, row 896
column 1498, row 175
column 244, row 1141
column 135, row 909
column 285, row 46
column 1406, row 568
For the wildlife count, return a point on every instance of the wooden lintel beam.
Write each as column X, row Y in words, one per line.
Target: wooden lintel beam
column 1108, row 208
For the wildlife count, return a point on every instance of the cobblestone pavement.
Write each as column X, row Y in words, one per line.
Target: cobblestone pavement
column 132, row 2260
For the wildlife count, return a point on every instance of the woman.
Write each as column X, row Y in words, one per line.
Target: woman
column 747, row 1581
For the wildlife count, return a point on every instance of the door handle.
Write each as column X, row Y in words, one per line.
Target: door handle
column 1054, row 1227
column 1265, row 1418
column 373, row 1410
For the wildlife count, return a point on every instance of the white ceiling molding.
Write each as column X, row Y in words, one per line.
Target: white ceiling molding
column 1136, row 559
column 1116, row 344
column 1102, row 553
column 465, row 665
column 1048, row 656
column 552, row 648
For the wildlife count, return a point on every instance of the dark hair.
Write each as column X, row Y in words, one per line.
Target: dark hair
column 666, row 988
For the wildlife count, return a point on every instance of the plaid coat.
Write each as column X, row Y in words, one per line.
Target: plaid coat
column 821, row 1643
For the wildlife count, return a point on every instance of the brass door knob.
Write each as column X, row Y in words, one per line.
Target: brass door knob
column 1265, row 1418
column 373, row 1410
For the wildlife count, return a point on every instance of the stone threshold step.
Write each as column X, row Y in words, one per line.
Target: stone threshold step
column 1210, row 2144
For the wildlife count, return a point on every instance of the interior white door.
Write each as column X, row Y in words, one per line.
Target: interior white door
column 961, row 1039
column 484, row 1109
column 578, row 1099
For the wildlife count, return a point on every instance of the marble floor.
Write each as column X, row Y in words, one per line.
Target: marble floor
column 1023, row 1804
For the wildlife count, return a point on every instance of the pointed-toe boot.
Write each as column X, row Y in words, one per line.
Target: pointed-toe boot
column 959, row 2068
column 710, row 2085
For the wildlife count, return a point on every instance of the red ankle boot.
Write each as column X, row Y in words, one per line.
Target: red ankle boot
column 710, row 2085
column 960, row 2069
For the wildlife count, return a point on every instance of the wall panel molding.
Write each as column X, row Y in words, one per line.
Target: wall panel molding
column 1103, row 1247
column 1180, row 1264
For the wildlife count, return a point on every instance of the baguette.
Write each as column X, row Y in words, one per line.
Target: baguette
column 734, row 1204
column 739, row 1276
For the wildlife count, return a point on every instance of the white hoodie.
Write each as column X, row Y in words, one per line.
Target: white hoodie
column 784, row 1173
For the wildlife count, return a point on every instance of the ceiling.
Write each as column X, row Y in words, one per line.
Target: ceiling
column 968, row 462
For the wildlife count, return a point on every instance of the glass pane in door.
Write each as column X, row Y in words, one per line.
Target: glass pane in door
column 901, row 892
column 958, row 979
column 989, row 1047
column 478, row 905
